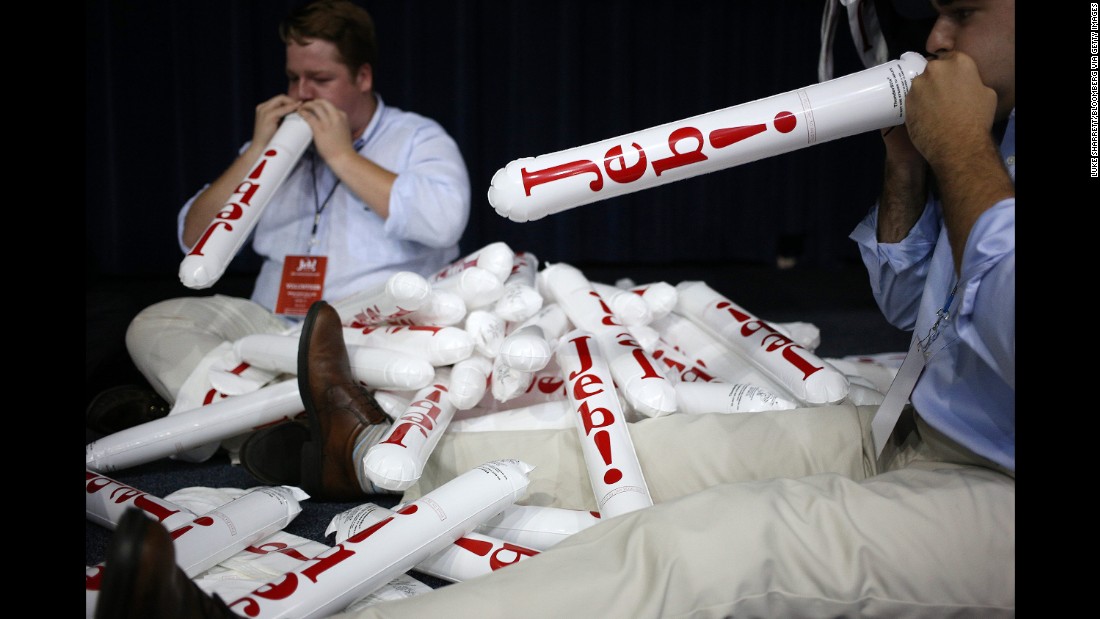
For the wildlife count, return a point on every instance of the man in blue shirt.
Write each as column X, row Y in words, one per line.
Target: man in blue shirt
column 941, row 243
column 379, row 190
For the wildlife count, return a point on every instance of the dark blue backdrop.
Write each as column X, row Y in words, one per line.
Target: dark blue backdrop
column 172, row 86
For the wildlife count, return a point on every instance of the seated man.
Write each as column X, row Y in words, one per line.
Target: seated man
column 380, row 190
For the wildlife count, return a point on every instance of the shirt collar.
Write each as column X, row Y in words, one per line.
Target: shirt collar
column 372, row 126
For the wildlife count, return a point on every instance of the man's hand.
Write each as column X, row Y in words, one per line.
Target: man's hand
column 331, row 131
column 950, row 116
column 268, row 116
column 948, row 106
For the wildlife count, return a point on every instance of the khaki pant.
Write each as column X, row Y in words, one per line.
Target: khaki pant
column 773, row 514
column 168, row 340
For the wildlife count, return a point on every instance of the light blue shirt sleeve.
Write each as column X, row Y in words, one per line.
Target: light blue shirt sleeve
column 898, row 270
column 430, row 200
column 967, row 389
column 986, row 317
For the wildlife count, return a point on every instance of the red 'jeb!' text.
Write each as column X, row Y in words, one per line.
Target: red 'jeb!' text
column 772, row 340
column 584, row 385
column 234, row 209
column 616, row 168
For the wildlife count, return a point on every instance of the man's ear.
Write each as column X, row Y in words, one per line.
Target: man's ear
column 364, row 77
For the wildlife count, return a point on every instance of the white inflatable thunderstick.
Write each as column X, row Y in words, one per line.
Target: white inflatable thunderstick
column 372, row 557
column 534, row 187
column 227, row 232
column 469, row 556
column 609, row 455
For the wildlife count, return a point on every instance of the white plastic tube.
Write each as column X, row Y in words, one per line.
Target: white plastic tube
column 716, row 397
column 230, row 227
column 536, row 526
column 402, row 293
column 376, row 367
column 443, row 309
column 526, row 349
column 677, row 367
column 470, row 381
column 230, row 528
column 631, row 309
column 533, row 187
column 659, row 296
column 471, row 555
column 397, row 460
column 805, row 375
column 613, row 468
column 370, row 558
column 520, row 299
column 709, row 352
column 506, row 382
column 107, row 499
column 646, row 389
column 177, row 433
column 439, row 346
column 545, row 385
column 487, row 329
column 496, row 258
column 477, row 287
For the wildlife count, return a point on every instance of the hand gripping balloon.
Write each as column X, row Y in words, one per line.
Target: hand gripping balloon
column 534, row 187
column 223, row 238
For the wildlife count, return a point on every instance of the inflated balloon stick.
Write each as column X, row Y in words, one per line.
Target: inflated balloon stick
column 373, row 556
column 402, row 293
column 534, row 187
column 377, row 368
column 106, row 499
column 520, row 299
column 806, row 376
column 535, row 526
column 647, row 390
column 397, row 461
column 227, row 232
column 608, row 450
column 191, row 429
column 469, row 556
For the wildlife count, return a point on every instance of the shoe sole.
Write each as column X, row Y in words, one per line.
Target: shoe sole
column 98, row 413
column 116, row 586
column 285, row 442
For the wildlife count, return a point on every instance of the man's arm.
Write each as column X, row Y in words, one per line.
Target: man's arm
column 332, row 136
column 950, row 115
column 213, row 198
column 904, row 186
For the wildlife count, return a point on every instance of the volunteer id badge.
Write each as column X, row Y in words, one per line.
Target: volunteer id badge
column 303, row 283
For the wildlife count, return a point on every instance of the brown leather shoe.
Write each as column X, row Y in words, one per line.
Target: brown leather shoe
column 337, row 407
column 141, row 578
column 119, row 408
column 273, row 455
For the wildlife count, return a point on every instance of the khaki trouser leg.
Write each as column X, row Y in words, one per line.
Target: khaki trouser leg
column 678, row 454
column 167, row 340
column 743, row 526
column 930, row 540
